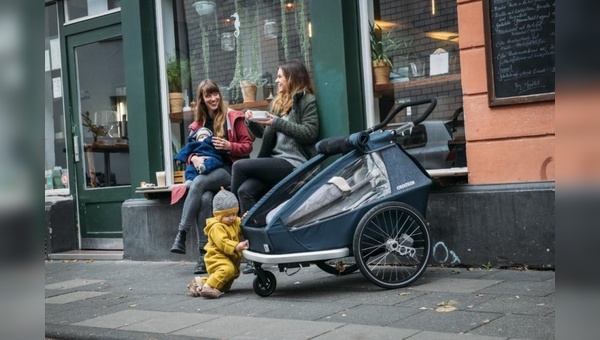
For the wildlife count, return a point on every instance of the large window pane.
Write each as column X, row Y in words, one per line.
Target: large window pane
column 420, row 39
column 75, row 9
column 228, row 42
column 55, row 156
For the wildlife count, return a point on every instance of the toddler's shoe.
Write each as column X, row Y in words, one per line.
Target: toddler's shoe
column 195, row 287
column 210, row 292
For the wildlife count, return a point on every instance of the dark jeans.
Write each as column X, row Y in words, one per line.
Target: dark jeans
column 252, row 178
column 197, row 206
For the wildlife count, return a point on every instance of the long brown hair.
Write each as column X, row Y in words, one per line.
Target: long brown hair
column 207, row 87
column 298, row 81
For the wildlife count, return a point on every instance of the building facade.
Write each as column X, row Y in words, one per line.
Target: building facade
column 112, row 121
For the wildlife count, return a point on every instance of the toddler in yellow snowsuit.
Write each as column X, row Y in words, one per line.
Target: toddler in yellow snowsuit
column 223, row 250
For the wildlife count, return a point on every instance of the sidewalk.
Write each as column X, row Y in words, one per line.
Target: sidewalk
column 149, row 300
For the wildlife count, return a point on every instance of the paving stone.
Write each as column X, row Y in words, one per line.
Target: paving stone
column 520, row 275
column 169, row 322
column 449, row 322
column 362, row 332
column 73, row 297
column 464, row 301
column 371, row 315
column 72, row 284
column 520, row 288
column 121, row 319
column 427, row 335
column 519, row 326
column 518, row 305
column 455, row 285
column 237, row 327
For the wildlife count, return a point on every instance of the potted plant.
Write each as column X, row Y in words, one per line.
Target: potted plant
column 250, row 81
column 178, row 78
column 381, row 47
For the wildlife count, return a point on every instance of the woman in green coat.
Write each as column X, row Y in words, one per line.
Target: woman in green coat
column 289, row 132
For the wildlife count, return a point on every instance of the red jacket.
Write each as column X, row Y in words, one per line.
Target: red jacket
column 237, row 135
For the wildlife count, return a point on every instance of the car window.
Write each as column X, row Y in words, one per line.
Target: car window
column 416, row 139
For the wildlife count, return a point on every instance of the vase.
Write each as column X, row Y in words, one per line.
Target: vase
column 381, row 74
column 248, row 91
column 176, row 102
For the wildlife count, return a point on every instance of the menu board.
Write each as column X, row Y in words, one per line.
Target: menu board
column 520, row 50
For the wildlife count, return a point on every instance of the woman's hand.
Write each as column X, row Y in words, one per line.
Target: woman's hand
column 249, row 115
column 197, row 161
column 221, row 144
column 242, row 245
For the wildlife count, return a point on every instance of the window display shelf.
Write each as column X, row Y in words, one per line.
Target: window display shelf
column 263, row 104
column 177, row 117
column 386, row 90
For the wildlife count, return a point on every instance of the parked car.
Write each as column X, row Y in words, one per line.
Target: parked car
column 438, row 144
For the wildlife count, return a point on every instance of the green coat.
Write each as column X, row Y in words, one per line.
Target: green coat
column 302, row 125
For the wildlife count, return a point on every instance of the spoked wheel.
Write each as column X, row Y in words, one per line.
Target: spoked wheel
column 264, row 283
column 392, row 245
column 341, row 266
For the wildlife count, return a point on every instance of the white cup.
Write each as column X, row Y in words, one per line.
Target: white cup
column 160, row 179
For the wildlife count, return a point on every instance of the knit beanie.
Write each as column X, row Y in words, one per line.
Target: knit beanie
column 225, row 203
column 203, row 131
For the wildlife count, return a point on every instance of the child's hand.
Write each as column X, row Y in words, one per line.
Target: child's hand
column 242, row 246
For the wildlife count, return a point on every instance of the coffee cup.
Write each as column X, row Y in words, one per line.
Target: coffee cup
column 160, row 179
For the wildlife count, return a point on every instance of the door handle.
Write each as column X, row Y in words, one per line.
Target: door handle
column 76, row 148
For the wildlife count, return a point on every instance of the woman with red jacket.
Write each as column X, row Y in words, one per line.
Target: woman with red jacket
column 232, row 140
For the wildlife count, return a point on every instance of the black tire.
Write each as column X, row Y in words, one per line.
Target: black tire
column 341, row 266
column 267, row 287
column 391, row 245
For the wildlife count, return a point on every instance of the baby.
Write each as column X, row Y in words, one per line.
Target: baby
column 203, row 147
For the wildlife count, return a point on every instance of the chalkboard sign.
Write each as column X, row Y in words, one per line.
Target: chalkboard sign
column 519, row 50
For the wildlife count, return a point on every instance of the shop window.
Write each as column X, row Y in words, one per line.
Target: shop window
column 79, row 9
column 420, row 40
column 230, row 42
column 55, row 156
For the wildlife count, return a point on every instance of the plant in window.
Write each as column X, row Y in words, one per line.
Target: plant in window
column 178, row 74
column 96, row 130
column 178, row 79
column 250, row 81
column 382, row 45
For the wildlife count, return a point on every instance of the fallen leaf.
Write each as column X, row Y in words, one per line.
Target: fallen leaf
column 445, row 309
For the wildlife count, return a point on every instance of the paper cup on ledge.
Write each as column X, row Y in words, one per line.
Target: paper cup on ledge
column 160, row 179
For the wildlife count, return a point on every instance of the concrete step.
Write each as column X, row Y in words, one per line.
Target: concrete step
column 88, row 255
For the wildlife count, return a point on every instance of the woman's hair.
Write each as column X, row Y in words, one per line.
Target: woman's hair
column 298, row 81
column 207, row 87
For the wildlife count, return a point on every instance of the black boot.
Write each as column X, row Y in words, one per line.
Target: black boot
column 179, row 244
column 249, row 268
column 200, row 266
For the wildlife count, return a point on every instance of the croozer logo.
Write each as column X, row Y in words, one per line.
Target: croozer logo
column 405, row 185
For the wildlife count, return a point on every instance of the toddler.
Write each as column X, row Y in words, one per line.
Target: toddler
column 223, row 250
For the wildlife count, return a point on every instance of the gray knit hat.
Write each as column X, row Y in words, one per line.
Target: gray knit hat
column 203, row 131
column 225, row 203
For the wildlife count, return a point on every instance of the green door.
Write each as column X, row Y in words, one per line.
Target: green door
column 98, row 110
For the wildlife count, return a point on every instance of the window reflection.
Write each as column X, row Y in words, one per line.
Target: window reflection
column 423, row 49
column 234, row 43
column 75, row 9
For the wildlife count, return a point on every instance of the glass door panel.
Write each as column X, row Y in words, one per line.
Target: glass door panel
column 103, row 114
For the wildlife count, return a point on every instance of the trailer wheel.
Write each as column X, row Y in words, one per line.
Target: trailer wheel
column 391, row 245
column 266, row 285
column 341, row 266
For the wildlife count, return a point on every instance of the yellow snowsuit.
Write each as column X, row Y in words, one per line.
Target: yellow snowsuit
column 221, row 259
